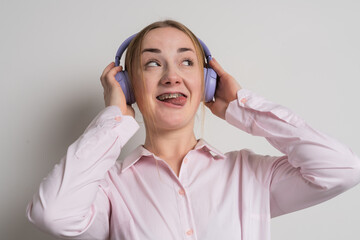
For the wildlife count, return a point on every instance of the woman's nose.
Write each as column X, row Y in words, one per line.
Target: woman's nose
column 171, row 77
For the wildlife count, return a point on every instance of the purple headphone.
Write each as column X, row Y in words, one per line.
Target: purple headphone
column 125, row 83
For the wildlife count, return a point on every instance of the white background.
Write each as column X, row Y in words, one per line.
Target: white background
column 301, row 54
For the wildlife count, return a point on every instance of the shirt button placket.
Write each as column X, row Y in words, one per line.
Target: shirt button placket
column 182, row 192
column 189, row 232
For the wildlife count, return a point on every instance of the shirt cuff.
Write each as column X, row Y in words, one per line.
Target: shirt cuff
column 248, row 100
column 112, row 119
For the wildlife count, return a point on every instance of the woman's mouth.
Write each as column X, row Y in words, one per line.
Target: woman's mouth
column 172, row 99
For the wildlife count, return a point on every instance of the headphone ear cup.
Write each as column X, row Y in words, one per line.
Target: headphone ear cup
column 210, row 77
column 123, row 79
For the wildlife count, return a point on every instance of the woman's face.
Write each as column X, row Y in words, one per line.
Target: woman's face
column 169, row 64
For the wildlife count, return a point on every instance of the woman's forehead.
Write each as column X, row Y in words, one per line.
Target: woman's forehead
column 167, row 37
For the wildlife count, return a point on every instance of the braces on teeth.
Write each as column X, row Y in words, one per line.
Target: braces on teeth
column 171, row 95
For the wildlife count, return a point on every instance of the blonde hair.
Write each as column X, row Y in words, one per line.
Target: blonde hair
column 133, row 63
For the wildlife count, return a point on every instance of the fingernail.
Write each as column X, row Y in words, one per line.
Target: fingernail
column 210, row 58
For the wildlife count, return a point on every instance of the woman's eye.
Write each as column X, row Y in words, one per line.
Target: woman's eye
column 152, row 64
column 187, row 62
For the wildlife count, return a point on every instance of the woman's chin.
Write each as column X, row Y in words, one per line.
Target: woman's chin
column 171, row 123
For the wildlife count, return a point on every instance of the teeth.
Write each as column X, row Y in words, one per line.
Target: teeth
column 170, row 95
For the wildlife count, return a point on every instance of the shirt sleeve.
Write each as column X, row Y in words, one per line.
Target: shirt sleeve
column 70, row 202
column 315, row 166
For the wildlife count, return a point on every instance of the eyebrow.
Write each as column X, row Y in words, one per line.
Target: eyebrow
column 155, row 50
column 180, row 50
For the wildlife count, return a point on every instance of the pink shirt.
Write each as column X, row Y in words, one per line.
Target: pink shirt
column 88, row 195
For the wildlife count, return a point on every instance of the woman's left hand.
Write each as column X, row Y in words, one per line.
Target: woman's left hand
column 226, row 90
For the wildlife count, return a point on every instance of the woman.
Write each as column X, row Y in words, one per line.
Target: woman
column 175, row 186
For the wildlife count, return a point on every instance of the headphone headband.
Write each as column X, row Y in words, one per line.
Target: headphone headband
column 126, row 43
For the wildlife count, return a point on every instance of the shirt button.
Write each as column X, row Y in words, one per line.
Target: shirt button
column 190, row 232
column 243, row 100
column 181, row 192
column 118, row 118
column 185, row 160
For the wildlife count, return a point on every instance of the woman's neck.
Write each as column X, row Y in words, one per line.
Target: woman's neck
column 171, row 146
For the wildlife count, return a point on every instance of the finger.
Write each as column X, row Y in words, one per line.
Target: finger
column 216, row 66
column 105, row 71
column 114, row 71
column 110, row 76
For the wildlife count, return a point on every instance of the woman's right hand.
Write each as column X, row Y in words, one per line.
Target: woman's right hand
column 113, row 94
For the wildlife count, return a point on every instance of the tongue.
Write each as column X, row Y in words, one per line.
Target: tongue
column 177, row 101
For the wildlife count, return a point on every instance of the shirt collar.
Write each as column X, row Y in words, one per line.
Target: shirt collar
column 140, row 152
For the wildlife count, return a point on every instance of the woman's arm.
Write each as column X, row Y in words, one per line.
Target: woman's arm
column 70, row 201
column 315, row 167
